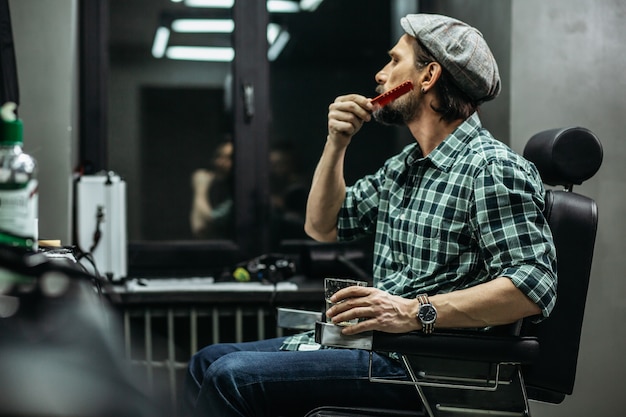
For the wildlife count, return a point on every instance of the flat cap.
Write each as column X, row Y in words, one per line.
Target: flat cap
column 460, row 49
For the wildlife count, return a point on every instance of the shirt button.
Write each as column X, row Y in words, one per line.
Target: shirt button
column 401, row 258
column 402, row 216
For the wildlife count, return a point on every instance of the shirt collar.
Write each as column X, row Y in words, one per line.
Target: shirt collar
column 444, row 155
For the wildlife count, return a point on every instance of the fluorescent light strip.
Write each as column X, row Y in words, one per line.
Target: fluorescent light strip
column 273, row 6
column 273, row 29
column 160, row 41
column 201, row 53
column 203, row 25
column 310, row 5
column 218, row 4
column 277, row 47
column 282, row 6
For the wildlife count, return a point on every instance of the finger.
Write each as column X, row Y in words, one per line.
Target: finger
column 340, row 308
column 361, row 109
column 364, row 325
column 346, row 115
column 356, row 98
column 349, row 310
column 354, row 291
column 341, row 319
column 343, row 127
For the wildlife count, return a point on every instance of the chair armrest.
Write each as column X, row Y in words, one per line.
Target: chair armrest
column 289, row 318
column 472, row 346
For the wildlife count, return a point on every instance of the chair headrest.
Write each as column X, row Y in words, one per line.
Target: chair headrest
column 565, row 156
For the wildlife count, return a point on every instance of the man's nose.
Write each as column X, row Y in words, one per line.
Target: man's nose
column 381, row 76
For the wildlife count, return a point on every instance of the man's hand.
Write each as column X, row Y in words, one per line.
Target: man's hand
column 346, row 115
column 378, row 310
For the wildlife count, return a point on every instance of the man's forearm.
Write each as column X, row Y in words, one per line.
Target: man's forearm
column 493, row 303
column 327, row 194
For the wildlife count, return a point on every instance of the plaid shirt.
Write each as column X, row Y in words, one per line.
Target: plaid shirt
column 467, row 213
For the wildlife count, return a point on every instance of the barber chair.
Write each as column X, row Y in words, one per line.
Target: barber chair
column 462, row 373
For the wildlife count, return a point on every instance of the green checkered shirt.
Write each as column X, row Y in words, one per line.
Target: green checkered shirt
column 468, row 212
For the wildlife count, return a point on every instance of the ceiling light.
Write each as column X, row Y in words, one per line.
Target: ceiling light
column 273, row 6
column 218, row 4
column 201, row 53
column 160, row 42
column 310, row 5
column 277, row 38
column 273, row 29
column 282, row 6
column 279, row 44
column 203, row 25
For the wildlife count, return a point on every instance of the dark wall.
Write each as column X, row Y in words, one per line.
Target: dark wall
column 494, row 19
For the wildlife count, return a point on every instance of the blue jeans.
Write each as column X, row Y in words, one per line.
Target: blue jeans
column 257, row 379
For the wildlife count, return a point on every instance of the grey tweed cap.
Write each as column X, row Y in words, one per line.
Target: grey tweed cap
column 460, row 49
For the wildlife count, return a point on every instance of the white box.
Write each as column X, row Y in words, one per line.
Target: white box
column 100, row 222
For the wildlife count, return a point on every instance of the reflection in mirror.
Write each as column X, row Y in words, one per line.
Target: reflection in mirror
column 211, row 214
column 168, row 116
column 288, row 193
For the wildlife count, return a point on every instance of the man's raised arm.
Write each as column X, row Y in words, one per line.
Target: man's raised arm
column 345, row 117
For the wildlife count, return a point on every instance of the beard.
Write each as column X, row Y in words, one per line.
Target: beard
column 399, row 112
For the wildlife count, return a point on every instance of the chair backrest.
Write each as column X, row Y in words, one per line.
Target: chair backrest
column 564, row 157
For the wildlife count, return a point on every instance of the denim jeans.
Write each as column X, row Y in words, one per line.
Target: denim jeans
column 257, row 379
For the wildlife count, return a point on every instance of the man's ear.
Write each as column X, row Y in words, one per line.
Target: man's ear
column 430, row 74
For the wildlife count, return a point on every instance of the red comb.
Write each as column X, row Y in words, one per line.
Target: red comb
column 394, row 93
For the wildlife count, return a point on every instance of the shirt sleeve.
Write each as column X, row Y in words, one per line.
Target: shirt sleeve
column 514, row 236
column 359, row 212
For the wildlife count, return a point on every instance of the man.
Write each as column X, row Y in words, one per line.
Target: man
column 460, row 239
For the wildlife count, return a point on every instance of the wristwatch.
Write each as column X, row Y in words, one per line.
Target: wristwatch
column 427, row 314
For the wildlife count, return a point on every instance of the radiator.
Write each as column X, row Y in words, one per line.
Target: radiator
column 159, row 341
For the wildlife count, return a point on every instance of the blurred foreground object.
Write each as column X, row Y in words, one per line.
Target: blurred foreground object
column 60, row 354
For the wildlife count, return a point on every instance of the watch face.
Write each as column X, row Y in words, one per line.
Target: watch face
column 427, row 314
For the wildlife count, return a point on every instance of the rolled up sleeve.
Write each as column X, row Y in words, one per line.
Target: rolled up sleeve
column 514, row 236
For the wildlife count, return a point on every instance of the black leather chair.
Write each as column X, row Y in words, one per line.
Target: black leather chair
column 496, row 373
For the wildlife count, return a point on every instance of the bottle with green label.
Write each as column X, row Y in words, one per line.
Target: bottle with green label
column 18, row 185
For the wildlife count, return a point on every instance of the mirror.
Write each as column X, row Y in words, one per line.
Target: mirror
column 168, row 118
